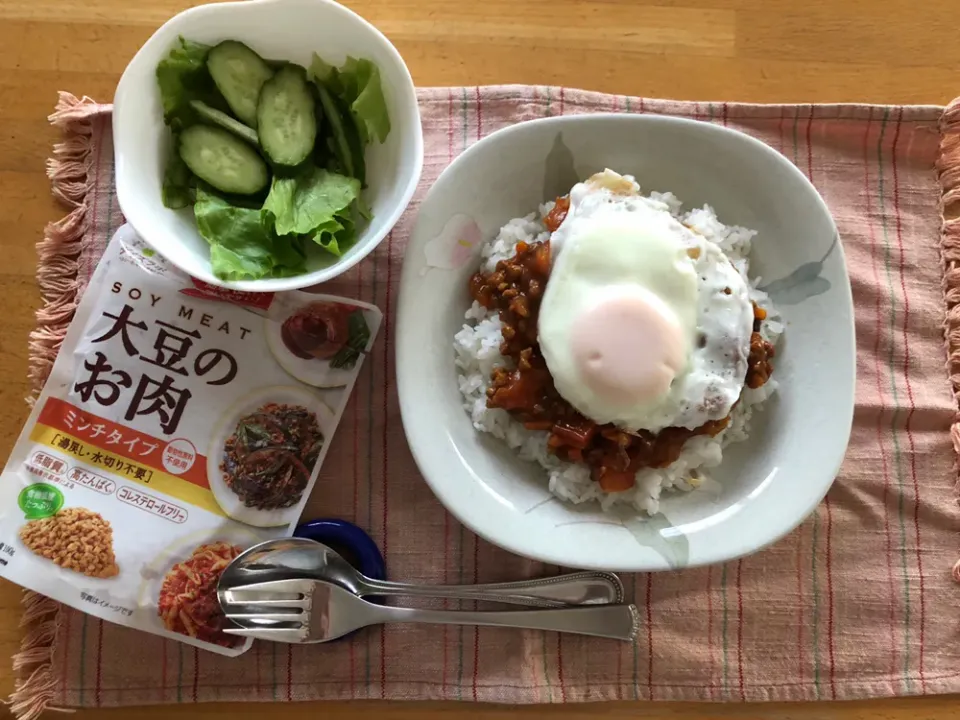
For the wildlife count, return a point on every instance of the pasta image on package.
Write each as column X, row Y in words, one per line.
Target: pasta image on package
column 181, row 424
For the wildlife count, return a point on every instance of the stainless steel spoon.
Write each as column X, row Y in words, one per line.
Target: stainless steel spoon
column 300, row 558
column 313, row 611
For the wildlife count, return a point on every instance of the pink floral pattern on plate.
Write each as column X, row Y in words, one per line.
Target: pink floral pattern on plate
column 455, row 246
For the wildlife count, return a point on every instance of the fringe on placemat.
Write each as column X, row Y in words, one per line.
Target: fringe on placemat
column 59, row 251
column 57, row 275
column 948, row 171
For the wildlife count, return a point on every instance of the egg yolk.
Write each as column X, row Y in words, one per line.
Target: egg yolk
column 628, row 347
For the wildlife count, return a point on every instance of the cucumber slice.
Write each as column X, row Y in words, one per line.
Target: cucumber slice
column 286, row 117
column 223, row 160
column 218, row 117
column 239, row 74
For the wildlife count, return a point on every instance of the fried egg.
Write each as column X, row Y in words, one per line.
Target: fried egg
column 644, row 323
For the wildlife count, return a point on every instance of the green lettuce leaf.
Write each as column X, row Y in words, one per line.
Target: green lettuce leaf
column 352, row 100
column 241, row 247
column 183, row 76
column 337, row 236
column 178, row 182
column 363, row 210
column 355, row 147
column 317, row 204
column 363, row 93
column 314, row 199
column 325, row 74
column 341, row 156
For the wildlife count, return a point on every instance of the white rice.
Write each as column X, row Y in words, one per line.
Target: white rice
column 477, row 353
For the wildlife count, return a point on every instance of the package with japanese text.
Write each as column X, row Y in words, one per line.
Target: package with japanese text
column 181, row 424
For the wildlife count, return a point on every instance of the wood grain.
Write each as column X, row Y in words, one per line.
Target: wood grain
column 883, row 51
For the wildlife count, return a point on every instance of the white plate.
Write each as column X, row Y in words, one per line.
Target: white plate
column 228, row 500
column 771, row 482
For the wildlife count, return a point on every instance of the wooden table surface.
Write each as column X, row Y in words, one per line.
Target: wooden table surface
column 883, row 51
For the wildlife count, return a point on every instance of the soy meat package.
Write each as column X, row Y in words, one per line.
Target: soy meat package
column 181, row 424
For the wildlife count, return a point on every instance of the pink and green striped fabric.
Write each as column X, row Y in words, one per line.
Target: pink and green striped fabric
column 857, row 602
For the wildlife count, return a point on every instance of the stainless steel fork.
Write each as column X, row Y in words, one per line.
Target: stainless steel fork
column 313, row 611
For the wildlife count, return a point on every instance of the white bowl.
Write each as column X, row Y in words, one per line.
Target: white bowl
column 771, row 482
column 282, row 30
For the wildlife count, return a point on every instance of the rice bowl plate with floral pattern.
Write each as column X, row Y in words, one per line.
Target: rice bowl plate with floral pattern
column 626, row 342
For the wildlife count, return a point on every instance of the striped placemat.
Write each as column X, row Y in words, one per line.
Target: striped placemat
column 857, row 602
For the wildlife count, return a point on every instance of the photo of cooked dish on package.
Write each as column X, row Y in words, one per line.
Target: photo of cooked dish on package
column 266, row 459
column 188, row 597
column 263, row 453
column 171, row 436
column 317, row 341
